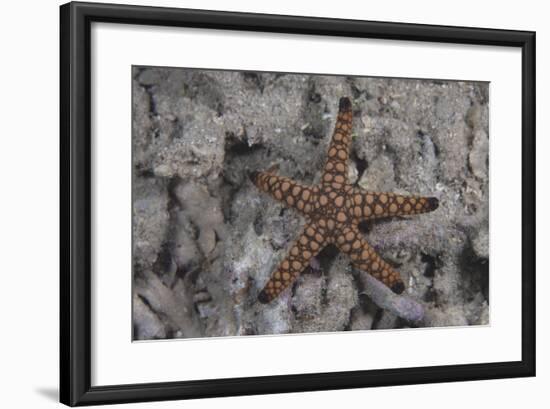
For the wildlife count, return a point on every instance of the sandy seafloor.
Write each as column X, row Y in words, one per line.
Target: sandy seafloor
column 205, row 240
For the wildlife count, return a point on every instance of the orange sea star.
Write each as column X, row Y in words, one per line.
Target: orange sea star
column 333, row 209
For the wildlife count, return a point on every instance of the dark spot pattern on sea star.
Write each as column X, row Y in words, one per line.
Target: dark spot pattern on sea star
column 333, row 210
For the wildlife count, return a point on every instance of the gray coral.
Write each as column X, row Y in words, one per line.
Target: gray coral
column 206, row 240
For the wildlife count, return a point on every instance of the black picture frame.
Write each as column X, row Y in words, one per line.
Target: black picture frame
column 75, row 203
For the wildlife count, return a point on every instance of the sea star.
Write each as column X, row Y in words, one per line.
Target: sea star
column 333, row 209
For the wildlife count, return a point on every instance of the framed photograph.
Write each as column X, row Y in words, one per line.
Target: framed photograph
column 262, row 203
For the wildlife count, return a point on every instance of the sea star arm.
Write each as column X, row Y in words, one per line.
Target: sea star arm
column 309, row 243
column 336, row 166
column 285, row 190
column 364, row 257
column 370, row 205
